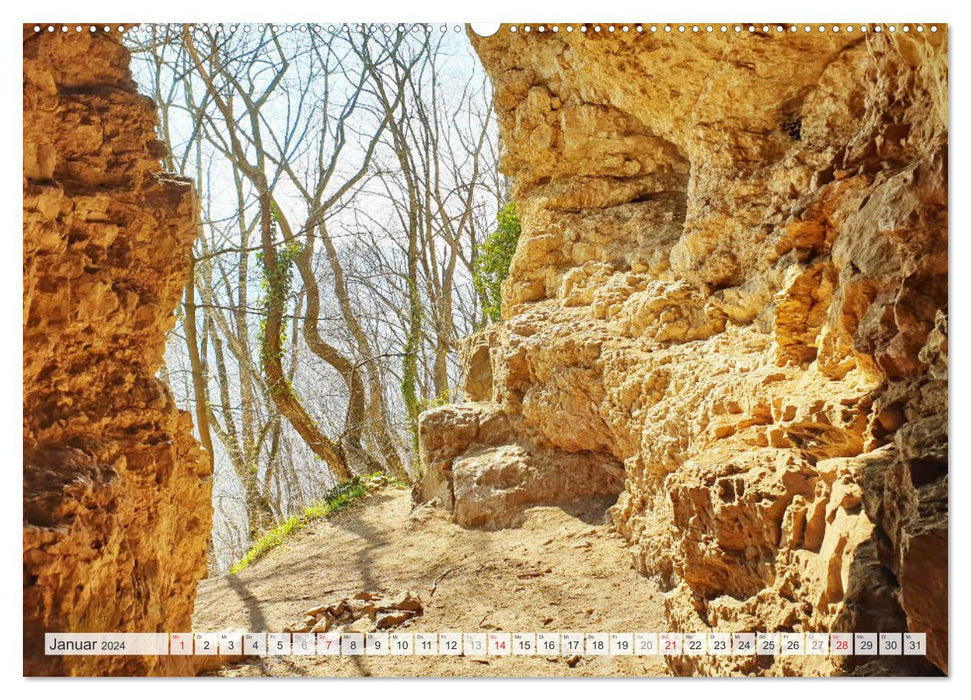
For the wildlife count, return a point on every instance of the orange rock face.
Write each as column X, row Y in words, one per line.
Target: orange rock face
column 116, row 491
column 732, row 280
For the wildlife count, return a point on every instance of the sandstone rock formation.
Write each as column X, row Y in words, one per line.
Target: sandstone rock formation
column 484, row 468
column 116, row 491
column 732, row 280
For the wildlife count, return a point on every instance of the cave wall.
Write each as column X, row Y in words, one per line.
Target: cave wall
column 116, row 491
column 732, row 284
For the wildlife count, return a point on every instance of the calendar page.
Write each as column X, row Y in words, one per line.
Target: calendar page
column 522, row 349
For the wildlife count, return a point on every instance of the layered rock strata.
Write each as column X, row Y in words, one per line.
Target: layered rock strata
column 732, row 280
column 116, row 491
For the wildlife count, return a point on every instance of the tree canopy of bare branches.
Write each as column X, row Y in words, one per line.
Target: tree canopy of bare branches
column 346, row 176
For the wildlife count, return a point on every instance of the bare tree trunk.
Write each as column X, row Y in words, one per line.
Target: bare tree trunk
column 280, row 389
column 356, row 417
column 199, row 383
column 377, row 413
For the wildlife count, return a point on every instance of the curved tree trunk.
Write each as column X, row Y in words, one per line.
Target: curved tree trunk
column 356, row 417
column 280, row 389
column 377, row 412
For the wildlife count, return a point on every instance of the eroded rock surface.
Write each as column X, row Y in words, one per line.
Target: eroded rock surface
column 485, row 470
column 732, row 280
column 116, row 491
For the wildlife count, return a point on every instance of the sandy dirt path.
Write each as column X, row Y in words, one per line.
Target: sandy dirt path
column 561, row 571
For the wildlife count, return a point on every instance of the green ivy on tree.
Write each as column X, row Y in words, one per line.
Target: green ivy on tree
column 492, row 262
column 276, row 286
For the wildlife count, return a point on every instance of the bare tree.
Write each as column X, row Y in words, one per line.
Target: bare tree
column 346, row 177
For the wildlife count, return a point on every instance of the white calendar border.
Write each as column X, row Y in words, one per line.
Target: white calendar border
column 511, row 10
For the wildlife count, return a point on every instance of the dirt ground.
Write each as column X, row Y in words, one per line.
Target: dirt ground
column 560, row 572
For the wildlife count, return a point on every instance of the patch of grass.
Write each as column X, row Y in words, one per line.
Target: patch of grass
column 337, row 498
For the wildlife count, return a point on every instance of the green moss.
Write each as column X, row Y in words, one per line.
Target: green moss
column 436, row 401
column 337, row 498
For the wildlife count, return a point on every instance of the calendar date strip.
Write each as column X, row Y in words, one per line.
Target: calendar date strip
column 480, row 644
